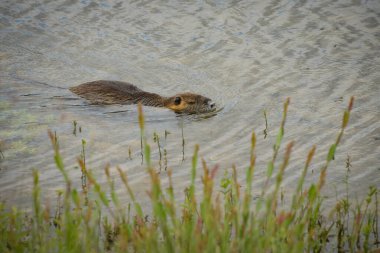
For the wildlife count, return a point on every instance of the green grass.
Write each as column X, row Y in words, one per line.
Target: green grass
column 92, row 219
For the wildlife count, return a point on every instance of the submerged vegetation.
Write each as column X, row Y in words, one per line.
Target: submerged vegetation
column 92, row 219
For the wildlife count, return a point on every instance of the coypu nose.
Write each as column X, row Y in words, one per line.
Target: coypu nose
column 211, row 104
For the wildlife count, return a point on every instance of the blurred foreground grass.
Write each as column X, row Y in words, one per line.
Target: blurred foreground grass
column 217, row 222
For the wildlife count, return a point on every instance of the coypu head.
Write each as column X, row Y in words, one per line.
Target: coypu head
column 189, row 103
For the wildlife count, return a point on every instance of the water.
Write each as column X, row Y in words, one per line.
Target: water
column 248, row 56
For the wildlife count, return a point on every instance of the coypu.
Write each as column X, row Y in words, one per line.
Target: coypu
column 115, row 92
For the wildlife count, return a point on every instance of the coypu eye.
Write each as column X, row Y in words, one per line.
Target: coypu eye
column 177, row 100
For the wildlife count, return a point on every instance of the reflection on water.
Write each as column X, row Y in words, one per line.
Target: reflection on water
column 248, row 56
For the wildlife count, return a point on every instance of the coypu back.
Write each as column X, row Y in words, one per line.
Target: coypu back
column 107, row 92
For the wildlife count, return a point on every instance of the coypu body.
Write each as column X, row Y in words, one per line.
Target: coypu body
column 115, row 92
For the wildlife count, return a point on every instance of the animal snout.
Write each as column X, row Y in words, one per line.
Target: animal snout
column 211, row 104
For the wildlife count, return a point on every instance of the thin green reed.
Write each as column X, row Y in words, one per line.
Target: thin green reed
column 115, row 199
column 265, row 131
column 298, row 197
column 332, row 150
column 276, row 148
column 247, row 194
column 82, row 164
column 183, row 140
column 67, row 223
column 156, row 193
column 142, row 134
column 37, row 231
column 376, row 221
column 194, row 164
column 156, row 139
column 136, row 205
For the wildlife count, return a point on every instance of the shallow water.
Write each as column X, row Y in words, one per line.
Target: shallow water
column 248, row 56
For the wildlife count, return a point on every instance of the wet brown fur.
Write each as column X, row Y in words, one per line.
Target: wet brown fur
column 115, row 92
